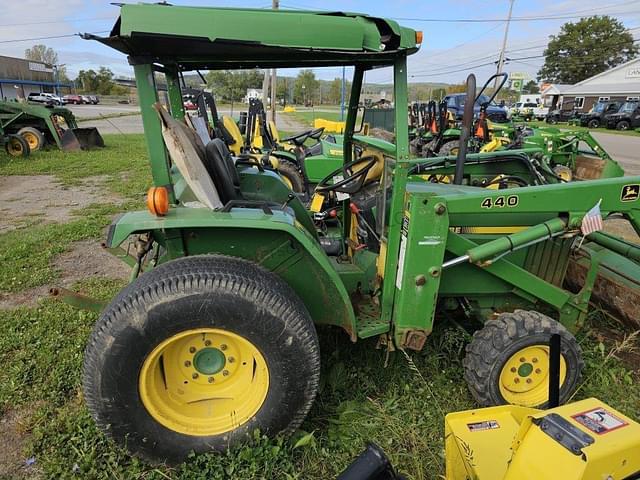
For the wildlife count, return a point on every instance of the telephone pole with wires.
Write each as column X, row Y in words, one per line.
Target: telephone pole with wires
column 504, row 44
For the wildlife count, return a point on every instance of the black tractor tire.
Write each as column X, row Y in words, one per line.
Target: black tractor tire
column 289, row 171
column 34, row 137
column 501, row 339
column 593, row 123
column 450, row 148
column 623, row 125
column 208, row 291
column 16, row 146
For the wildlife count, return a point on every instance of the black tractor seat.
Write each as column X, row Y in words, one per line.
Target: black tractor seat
column 222, row 170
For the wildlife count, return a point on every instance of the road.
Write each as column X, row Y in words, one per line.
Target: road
column 133, row 123
column 625, row 149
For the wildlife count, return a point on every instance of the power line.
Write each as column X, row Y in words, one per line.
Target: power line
column 55, row 21
column 49, row 38
column 514, row 19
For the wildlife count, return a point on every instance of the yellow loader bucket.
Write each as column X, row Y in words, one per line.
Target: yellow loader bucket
column 75, row 139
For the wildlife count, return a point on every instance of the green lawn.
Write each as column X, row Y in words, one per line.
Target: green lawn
column 401, row 406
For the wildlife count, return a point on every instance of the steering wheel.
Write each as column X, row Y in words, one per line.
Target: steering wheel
column 352, row 180
column 299, row 138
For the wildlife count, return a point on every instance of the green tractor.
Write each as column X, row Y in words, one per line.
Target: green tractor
column 215, row 336
column 39, row 125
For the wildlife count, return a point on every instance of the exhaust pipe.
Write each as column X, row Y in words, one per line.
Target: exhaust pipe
column 465, row 132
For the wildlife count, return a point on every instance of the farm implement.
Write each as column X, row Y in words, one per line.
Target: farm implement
column 215, row 336
column 39, row 125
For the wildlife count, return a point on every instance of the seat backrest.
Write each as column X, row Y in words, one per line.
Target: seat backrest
column 222, row 170
column 232, row 127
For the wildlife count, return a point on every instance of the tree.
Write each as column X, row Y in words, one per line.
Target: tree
column 232, row 85
column 335, row 91
column 531, row 87
column 100, row 82
column 306, row 79
column 42, row 53
column 586, row 48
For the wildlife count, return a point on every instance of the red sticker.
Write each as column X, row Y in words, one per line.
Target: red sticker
column 599, row 421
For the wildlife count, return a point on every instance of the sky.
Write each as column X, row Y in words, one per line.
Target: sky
column 450, row 49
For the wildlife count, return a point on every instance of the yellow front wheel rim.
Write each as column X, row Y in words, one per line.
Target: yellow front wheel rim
column 286, row 181
column 524, row 378
column 202, row 382
column 31, row 139
column 15, row 148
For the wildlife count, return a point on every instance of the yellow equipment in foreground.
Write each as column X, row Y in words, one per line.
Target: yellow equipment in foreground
column 585, row 440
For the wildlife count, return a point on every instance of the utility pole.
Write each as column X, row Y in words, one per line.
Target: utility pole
column 275, row 4
column 504, row 44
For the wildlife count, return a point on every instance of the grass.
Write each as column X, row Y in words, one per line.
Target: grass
column 399, row 406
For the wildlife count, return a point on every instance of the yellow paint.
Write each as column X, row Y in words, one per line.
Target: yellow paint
column 232, row 127
column 183, row 400
column 32, row 140
column 274, row 131
column 289, row 109
column 316, row 202
column 532, row 389
column 382, row 258
column 517, row 449
column 329, row 126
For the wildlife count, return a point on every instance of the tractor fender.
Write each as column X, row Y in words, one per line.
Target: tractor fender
column 272, row 239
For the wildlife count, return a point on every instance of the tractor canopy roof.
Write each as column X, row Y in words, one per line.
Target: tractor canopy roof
column 231, row 38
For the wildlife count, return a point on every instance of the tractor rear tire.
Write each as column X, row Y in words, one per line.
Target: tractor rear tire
column 450, row 148
column 34, row 137
column 291, row 175
column 16, row 146
column 507, row 360
column 197, row 354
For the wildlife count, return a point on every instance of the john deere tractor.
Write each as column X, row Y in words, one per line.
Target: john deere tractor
column 215, row 336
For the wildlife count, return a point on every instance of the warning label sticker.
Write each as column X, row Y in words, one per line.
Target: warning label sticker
column 599, row 421
column 403, row 250
column 480, row 426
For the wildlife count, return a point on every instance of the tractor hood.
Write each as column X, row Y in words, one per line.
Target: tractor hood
column 215, row 38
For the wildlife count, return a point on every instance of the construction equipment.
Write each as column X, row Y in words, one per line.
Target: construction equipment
column 214, row 337
column 40, row 125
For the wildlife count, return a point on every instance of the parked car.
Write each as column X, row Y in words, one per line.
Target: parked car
column 495, row 113
column 86, row 99
column 600, row 113
column 559, row 116
column 628, row 116
column 94, row 99
column 46, row 98
column 188, row 101
column 74, row 99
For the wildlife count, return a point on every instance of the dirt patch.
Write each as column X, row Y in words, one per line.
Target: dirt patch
column 86, row 259
column 14, row 435
column 43, row 198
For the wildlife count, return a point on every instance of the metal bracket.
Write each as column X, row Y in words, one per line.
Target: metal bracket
column 563, row 432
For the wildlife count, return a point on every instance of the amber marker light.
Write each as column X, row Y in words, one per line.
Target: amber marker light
column 158, row 201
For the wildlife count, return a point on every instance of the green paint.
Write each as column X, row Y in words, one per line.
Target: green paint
column 525, row 369
column 209, row 361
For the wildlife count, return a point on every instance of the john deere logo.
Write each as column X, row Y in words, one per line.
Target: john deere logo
column 630, row 193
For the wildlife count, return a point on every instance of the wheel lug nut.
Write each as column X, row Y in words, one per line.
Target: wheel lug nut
column 223, row 346
column 207, row 342
column 522, row 359
column 194, row 376
column 534, row 360
column 187, row 363
column 225, row 372
column 513, row 369
column 192, row 349
column 231, row 359
column 210, row 379
column 538, row 370
column 528, row 380
column 516, row 380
